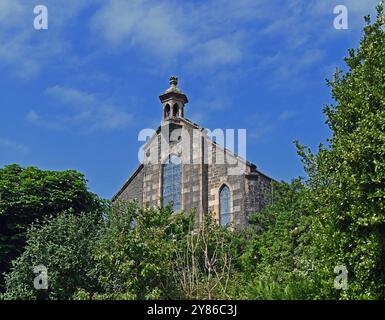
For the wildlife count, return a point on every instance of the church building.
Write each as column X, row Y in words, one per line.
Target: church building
column 185, row 165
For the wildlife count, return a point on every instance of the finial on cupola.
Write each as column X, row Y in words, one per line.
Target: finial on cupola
column 174, row 81
column 173, row 85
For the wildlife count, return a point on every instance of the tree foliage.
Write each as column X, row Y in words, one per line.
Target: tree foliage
column 28, row 195
column 347, row 178
column 63, row 245
column 336, row 217
column 154, row 253
column 134, row 252
column 275, row 263
column 204, row 260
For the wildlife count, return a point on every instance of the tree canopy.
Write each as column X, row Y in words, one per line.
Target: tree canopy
column 29, row 195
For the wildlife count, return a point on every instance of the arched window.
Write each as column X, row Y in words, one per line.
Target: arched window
column 171, row 181
column 167, row 111
column 175, row 110
column 224, row 206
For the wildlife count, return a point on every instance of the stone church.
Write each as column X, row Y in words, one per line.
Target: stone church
column 184, row 165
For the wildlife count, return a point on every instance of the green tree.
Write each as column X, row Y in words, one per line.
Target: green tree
column 336, row 217
column 275, row 263
column 30, row 194
column 205, row 260
column 134, row 253
column 63, row 245
column 347, row 177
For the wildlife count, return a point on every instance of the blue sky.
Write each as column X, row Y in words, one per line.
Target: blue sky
column 75, row 96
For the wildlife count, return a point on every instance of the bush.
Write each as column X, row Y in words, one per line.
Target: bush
column 63, row 245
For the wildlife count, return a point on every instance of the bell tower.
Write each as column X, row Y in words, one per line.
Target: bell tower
column 173, row 101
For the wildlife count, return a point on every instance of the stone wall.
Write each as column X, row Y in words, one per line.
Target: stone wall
column 258, row 192
column 201, row 183
column 133, row 190
column 152, row 173
column 218, row 176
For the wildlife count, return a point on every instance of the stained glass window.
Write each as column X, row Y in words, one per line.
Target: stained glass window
column 224, row 206
column 171, row 181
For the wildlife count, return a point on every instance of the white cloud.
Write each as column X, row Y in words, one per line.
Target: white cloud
column 284, row 38
column 197, row 36
column 192, row 36
column 264, row 125
column 357, row 7
column 261, row 129
column 9, row 8
column 33, row 116
column 80, row 110
column 25, row 51
column 139, row 24
column 14, row 146
column 286, row 115
column 216, row 52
